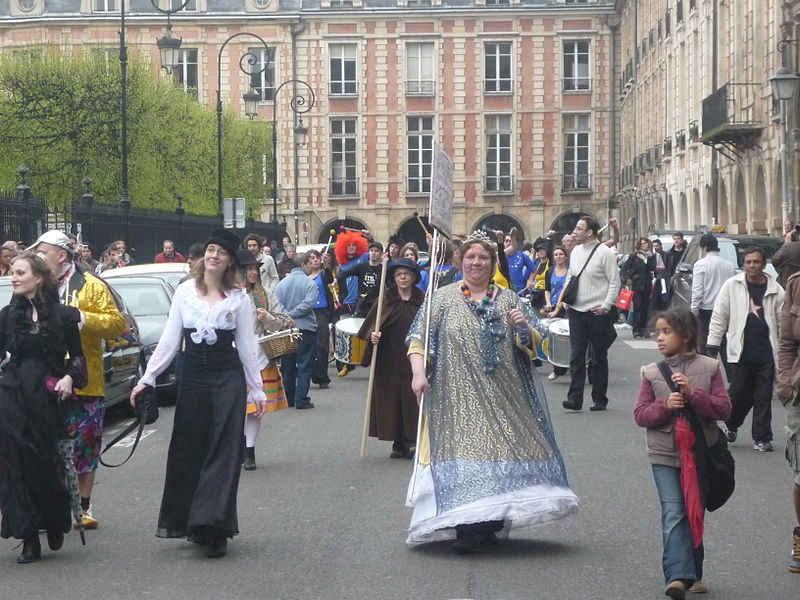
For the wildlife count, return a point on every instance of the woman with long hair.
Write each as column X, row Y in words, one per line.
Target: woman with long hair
column 38, row 332
column 267, row 313
column 211, row 322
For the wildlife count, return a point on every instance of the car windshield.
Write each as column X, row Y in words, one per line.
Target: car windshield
column 172, row 277
column 143, row 299
column 5, row 293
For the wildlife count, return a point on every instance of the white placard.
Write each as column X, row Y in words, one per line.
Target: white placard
column 440, row 214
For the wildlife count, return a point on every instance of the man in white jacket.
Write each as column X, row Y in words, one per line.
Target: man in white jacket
column 749, row 308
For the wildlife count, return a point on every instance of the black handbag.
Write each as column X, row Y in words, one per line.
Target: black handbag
column 146, row 411
column 716, row 468
column 569, row 295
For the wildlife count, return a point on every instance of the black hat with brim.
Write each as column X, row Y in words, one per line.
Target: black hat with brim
column 227, row 239
column 405, row 263
column 245, row 258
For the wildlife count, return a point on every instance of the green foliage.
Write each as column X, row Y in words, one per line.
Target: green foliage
column 60, row 116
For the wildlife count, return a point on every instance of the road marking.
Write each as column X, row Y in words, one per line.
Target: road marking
column 128, row 440
column 642, row 344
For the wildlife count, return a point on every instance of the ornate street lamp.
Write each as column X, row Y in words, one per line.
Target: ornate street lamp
column 251, row 99
column 784, row 86
column 302, row 101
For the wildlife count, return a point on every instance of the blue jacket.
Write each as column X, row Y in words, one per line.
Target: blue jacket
column 297, row 292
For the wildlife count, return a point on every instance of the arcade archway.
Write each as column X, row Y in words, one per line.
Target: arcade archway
column 502, row 222
column 335, row 225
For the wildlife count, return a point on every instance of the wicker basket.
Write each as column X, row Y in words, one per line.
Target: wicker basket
column 280, row 343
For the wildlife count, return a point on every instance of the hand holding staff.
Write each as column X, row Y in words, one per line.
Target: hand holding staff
column 370, row 387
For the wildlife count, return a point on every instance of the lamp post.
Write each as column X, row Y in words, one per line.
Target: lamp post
column 301, row 102
column 784, row 85
column 124, row 197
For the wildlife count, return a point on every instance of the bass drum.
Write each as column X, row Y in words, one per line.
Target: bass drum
column 347, row 348
column 558, row 346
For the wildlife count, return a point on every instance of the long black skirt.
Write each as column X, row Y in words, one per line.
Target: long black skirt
column 205, row 451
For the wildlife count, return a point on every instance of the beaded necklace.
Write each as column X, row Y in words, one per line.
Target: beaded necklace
column 489, row 297
column 491, row 326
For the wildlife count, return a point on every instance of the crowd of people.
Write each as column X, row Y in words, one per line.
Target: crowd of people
column 485, row 456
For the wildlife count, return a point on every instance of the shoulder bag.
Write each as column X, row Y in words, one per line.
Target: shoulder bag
column 716, row 468
column 569, row 295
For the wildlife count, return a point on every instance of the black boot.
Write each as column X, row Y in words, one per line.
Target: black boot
column 250, row 459
column 55, row 539
column 31, row 550
column 218, row 546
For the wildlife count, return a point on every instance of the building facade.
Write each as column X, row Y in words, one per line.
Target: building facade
column 699, row 131
column 520, row 93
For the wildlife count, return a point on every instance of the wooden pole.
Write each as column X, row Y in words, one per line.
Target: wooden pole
column 379, row 314
column 421, row 224
column 328, row 245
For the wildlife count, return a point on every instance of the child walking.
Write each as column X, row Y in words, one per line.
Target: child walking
column 702, row 390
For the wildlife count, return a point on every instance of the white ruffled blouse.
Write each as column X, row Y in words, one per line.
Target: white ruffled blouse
column 189, row 311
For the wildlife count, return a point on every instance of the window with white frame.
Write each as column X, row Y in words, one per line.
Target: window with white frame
column 186, row 70
column 420, row 79
column 411, row 3
column 344, row 157
column 343, row 69
column 262, row 73
column 26, row 5
column 498, row 154
column 191, row 5
column 105, row 6
column 419, row 141
column 497, row 66
column 576, row 66
column 498, row 2
column 577, row 136
column 341, row 3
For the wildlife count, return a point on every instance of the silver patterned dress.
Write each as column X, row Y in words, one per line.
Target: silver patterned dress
column 493, row 454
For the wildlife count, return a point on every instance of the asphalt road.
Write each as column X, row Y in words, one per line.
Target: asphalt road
column 318, row 522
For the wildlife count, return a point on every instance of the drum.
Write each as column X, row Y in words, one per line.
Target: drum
column 542, row 349
column 558, row 348
column 280, row 343
column 348, row 348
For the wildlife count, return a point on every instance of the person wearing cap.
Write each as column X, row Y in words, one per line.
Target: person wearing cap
column 708, row 275
column 211, row 322
column 394, row 410
column 268, row 317
column 101, row 320
column 369, row 277
column 297, row 293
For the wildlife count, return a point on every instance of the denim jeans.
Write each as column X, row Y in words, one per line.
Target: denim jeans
column 679, row 560
column 296, row 369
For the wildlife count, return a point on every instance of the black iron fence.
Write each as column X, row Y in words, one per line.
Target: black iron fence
column 24, row 217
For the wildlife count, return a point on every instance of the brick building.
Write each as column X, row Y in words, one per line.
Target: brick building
column 519, row 92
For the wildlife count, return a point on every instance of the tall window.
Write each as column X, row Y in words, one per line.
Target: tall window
column 104, row 6
column 576, row 66
column 341, row 3
column 344, row 79
column 420, row 154
column 498, row 2
column 186, row 70
column 497, row 66
column 418, row 2
column 191, row 5
column 344, row 147
column 576, row 152
column 262, row 78
column 420, row 79
column 498, row 154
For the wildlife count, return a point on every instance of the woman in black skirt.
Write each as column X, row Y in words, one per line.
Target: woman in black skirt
column 211, row 323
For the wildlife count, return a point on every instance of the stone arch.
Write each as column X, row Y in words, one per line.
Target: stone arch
column 760, row 203
column 723, row 206
column 336, row 225
column 739, row 213
column 682, row 214
column 697, row 211
column 504, row 222
column 669, row 221
column 410, row 231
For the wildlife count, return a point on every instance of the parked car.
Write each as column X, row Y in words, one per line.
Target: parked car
column 731, row 248
column 149, row 300
column 172, row 273
column 122, row 356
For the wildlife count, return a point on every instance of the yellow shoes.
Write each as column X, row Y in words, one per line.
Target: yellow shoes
column 87, row 520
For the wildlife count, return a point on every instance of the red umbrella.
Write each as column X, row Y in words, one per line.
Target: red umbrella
column 684, row 438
